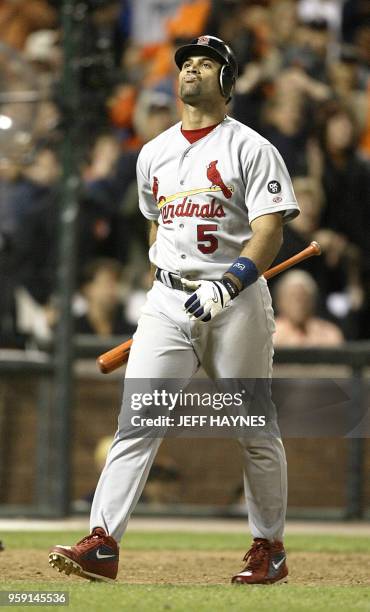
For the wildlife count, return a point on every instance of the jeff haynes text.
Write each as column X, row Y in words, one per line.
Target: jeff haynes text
column 199, row 421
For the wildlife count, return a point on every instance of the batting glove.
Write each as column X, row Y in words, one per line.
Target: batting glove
column 209, row 298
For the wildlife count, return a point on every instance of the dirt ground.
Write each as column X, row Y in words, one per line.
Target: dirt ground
column 198, row 567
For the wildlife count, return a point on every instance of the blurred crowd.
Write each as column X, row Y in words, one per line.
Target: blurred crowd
column 303, row 84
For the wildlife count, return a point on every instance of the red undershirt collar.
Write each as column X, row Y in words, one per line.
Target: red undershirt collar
column 194, row 135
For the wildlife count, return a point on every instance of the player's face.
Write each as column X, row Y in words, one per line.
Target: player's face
column 199, row 80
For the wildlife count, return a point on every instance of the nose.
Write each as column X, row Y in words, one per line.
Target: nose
column 192, row 68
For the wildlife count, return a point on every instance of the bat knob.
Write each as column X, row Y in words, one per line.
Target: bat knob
column 316, row 247
column 102, row 365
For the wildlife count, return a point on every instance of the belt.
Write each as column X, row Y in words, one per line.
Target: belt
column 171, row 280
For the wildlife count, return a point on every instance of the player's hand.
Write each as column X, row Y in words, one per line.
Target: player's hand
column 207, row 301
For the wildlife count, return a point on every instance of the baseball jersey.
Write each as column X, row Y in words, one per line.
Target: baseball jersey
column 205, row 195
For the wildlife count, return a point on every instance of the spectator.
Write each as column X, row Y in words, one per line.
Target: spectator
column 328, row 10
column 136, row 300
column 155, row 112
column 310, row 50
column 110, row 222
column 296, row 323
column 285, row 128
column 251, row 30
column 345, row 179
column 346, row 182
column 344, row 79
column 18, row 18
column 43, row 52
column 337, row 273
column 28, row 219
column 148, row 21
column 224, row 21
column 33, row 202
column 284, row 21
column 101, row 229
column 355, row 14
column 148, row 60
column 29, row 260
column 102, row 289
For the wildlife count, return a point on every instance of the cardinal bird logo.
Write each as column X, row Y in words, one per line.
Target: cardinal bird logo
column 155, row 192
column 155, row 188
column 203, row 40
column 215, row 177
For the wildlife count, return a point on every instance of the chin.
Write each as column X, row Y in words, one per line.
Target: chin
column 189, row 95
column 191, row 100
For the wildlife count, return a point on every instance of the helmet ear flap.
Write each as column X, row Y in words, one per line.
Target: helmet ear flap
column 227, row 80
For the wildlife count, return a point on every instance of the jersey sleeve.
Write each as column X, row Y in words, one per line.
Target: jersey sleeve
column 147, row 202
column 268, row 185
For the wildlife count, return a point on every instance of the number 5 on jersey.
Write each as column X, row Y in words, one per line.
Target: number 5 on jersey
column 207, row 241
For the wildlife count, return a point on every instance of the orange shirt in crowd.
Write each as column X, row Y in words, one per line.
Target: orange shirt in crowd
column 189, row 19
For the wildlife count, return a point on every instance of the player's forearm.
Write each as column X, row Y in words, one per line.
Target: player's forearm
column 263, row 247
column 261, row 250
column 153, row 229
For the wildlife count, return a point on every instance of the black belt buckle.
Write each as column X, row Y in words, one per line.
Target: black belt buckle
column 176, row 282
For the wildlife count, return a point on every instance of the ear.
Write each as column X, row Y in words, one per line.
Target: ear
column 227, row 81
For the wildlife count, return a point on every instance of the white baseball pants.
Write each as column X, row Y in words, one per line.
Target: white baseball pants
column 236, row 344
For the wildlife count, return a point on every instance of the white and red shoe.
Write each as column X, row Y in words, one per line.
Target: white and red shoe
column 95, row 557
column 265, row 564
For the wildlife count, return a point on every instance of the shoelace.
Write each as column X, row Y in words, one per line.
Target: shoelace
column 256, row 555
column 86, row 541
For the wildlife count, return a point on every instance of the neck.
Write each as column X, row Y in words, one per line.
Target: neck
column 194, row 118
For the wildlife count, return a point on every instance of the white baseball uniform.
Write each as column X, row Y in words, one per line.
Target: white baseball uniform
column 204, row 196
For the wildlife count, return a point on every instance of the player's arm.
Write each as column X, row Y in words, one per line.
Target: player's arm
column 263, row 246
column 211, row 297
column 153, row 229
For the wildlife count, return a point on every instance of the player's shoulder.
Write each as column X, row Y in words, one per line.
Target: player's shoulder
column 156, row 144
column 248, row 137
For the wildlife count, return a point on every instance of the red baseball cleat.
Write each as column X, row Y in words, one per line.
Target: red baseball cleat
column 95, row 557
column 265, row 564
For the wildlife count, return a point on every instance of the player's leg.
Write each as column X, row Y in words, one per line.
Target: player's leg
column 265, row 485
column 160, row 350
column 245, row 351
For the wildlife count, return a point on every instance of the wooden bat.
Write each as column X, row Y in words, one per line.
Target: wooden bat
column 117, row 356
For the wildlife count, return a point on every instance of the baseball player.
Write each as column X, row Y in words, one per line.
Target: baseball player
column 217, row 195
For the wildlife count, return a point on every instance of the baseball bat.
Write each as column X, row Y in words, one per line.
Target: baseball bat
column 117, row 356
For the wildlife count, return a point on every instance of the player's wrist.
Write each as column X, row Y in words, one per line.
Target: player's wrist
column 232, row 286
column 242, row 273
